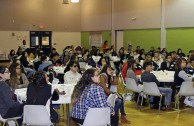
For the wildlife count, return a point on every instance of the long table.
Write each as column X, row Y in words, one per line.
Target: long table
column 162, row 76
column 63, row 99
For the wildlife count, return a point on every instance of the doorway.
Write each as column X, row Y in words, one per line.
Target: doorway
column 42, row 40
column 119, row 40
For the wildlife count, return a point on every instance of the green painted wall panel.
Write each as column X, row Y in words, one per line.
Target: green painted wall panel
column 175, row 38
column 145, row 38
column 180, row 38
column 85, row 38
column 106, row 35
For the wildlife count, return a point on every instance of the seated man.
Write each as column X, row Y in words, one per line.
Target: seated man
column 169, row 64
column 146, row 76
column 190, row 69
column 55, row 60
column 72, row 76
column 149, row 59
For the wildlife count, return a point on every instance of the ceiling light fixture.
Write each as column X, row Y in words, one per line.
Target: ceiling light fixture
column 74, row 1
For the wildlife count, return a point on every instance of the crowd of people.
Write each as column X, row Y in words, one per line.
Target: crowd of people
column 33, row 69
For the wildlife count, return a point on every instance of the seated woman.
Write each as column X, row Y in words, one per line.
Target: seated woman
column 27, row 66
column 75, row 59
column 8, row 107
column 86, row 91
column 106, row 80
column 39, row 92
column 101, row 63
column 12, row 55
column 131, row 74
column 180, row 75
column 17, row 77
column 180, row 53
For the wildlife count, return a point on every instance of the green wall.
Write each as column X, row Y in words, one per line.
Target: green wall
column 85, row 38
column 145, row 38
column 106, row 35
column 180, row 38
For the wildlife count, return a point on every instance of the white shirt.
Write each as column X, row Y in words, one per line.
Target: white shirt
column 24, row 47
column 71, row 78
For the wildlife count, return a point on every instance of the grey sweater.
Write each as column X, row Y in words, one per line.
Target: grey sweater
column 6, row 100
column 131, row 74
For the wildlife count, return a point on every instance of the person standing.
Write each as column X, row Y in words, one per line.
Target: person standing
column 105, row 46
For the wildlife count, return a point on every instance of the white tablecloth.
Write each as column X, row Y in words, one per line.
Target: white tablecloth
column 63, row 99
column 166, row 76
column 59, row 69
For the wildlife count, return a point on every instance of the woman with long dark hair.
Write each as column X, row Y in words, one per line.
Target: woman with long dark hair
column 180, row 53
column 180, row 74
column 8, row 107
column 87, row 91
column 106, row 80
column 39, row 92
column 12, row 55
column 17, row 77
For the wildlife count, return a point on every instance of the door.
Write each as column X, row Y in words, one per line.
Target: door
column 42, row 40
column 119, row 40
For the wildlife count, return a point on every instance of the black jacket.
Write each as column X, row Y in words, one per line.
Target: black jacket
column 6, row 100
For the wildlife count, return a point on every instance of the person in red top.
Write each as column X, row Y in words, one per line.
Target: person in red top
column 105, row 46
column 124, row 70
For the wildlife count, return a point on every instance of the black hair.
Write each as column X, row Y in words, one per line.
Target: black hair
column 23, row 53
column 130, row 63
column 178, row 63
column 43, row 58
column 55, row 54
column 71, row 63
column 146, row 64
column 104, row 70
column 53, row 49
column 72, row 58
column 39, row 79
column 11, row 52
column 168, row 55
column 86, row 80
column 100, row 61
column 2, row 69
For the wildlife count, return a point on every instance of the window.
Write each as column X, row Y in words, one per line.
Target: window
column 96, row 39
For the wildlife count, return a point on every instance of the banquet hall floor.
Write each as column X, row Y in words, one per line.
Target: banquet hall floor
column 149, row 117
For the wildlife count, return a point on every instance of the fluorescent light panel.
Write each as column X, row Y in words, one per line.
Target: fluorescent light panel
column 74, row 1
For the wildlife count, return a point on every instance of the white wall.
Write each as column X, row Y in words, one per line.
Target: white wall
column 179, row 13
column 95, row 15
column 27, row 15
column 119, row 40
column 9, row 41
column 62, row 39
